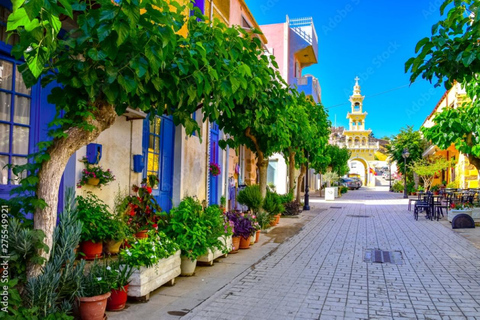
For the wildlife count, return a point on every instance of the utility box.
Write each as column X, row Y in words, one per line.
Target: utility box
column 330, row 194
column 94, row 153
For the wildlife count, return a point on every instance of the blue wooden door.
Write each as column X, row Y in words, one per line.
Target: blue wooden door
column 158, row 143
column 214, row 156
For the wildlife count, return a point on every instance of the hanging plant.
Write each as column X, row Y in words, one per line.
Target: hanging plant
column 95, row 176
column 214, row 169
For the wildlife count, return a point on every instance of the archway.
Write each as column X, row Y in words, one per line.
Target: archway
column 359, row 167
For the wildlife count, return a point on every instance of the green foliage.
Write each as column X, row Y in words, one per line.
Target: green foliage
column 452, row 185
column 146, row 252
column 143, row 211
column 251, row 196
column 96, row 280
column 334, row 158
column 397, row 186
column 409, row 139
column 23, row 246
column 119, row 273
column 452, row 55
column 330, row 177
column 264, row 219
column 189, row 228
column 273, row 203
column 343, row 189
column 52, row 293
column 95, row 216
column 435, row 188
column 223, row 201
column 427, row 169
column 287, row 197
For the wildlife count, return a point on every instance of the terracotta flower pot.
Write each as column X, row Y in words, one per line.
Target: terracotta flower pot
column 141, row 234
column 257, row 235
column 93, row 308
column 93, row 181
column 112, row 246
column 244, row 243
column 91, row 250
column 235, row 243
column 277, row 217
column 118, row 299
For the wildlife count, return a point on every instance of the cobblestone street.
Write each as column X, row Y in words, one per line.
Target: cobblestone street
column 320, row 273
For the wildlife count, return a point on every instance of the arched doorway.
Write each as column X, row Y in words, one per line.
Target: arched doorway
column 359, row 167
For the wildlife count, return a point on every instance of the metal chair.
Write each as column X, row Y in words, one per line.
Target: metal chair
column 426, row 205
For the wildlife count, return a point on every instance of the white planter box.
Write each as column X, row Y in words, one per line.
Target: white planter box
column 452, row 213
column 476, row 214
column 212, row 255
column 330, row 194
column 145, row 280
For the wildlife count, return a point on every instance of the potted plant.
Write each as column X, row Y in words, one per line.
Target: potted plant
column 435, row 189
column 94, row 293
column 242, row 228
column 143, row 211
column 251, row 196
column 274, row 206
column 95, row 175
column 95, row 216
column 189, row 228
column 155, row 260
column 219, row 240
column 223, row 204
column 458, row 208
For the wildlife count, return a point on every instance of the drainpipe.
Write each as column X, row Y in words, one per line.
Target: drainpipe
column 131, row 156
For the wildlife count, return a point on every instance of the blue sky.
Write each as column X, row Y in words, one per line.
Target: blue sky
column 371, row 40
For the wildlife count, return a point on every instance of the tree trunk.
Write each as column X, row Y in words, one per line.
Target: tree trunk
column 303, row 170
column 291, row 171
column 262, row 165
column 474, row 160
column 51, row 172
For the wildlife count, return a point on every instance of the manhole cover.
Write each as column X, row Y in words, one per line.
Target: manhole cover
column 383, row 256
column 357, row 216
column 335, row 207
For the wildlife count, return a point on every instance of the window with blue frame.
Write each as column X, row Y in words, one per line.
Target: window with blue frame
column 154, row 147
column 15, row 107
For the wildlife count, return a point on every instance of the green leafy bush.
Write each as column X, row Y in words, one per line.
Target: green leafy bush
column 343, row 189
column 397, row 186
column 95, row 216
column 218, row 224
column 287, row 197
column 146, row 252
column 273, row 203
column 264, row 219
column 251, row 197
column 189, row 228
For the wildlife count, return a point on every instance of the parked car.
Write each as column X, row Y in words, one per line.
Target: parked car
column 349, row 183
column 359, row 181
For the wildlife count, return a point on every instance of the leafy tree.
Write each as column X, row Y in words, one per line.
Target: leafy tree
column 409, row 139
column 334, row 159
column 427, row 169
column 309, row 131
column 452, row 55
column 131, row 53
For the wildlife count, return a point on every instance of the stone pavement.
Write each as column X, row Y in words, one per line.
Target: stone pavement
column 320, row 272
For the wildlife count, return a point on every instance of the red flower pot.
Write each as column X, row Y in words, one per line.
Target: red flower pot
column 277, row 216
column 93, row 308
column 244, row 243
column 141, row 234
column 117, row 300
column 91, row 250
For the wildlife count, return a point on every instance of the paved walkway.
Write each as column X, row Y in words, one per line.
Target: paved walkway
column 320, row 273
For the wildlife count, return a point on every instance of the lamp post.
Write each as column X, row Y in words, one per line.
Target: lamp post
column 306, row 205
column 405, row 155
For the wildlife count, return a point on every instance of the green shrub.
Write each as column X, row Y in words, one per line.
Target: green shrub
column 397, row 186
column 343, row 189
column 251, row 197
column 273, row 203
column 264, row 219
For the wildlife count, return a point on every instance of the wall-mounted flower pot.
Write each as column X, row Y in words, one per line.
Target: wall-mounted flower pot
column 93, row 181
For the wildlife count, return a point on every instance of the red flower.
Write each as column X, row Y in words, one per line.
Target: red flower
column 135, row 188
column 149, row 189
column 132, row 212
column 155, row 225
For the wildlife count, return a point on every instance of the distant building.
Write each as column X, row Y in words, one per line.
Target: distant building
column 358, row 140
column 294, row 44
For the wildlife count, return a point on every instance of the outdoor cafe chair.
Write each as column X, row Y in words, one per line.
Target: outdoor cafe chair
column 426, row 205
